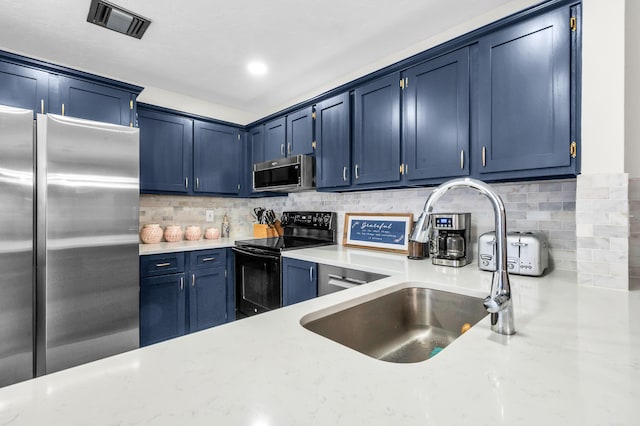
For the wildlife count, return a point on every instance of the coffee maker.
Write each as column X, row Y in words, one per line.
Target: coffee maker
column 449, row 242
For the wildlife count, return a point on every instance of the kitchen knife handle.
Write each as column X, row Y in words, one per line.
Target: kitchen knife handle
column 344, row 173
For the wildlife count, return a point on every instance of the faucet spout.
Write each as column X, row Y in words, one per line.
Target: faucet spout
column 498, row 303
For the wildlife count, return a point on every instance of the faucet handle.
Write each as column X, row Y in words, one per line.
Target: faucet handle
column 497, row 303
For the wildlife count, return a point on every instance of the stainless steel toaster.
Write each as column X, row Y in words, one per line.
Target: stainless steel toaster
column 527, row 252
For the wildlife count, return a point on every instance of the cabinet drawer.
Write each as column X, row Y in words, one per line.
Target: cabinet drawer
column 207, row 258
column 161, row 264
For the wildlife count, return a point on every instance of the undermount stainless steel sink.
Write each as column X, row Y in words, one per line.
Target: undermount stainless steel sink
column 408, row 325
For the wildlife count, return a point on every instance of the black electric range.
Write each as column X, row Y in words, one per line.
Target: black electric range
column 258, row 261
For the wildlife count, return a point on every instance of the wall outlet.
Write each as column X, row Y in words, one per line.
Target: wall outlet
column 209, row 215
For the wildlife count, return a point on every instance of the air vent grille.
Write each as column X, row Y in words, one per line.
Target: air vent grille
column 115, row 18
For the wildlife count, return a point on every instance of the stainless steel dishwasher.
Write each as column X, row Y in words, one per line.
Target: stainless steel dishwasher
column 334, row 278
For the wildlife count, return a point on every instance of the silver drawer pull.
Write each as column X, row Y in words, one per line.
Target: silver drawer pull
column 162, row 265
column 208, row 259
column 193, row 280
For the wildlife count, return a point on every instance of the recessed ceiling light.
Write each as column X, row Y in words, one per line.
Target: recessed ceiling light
column 257, row 68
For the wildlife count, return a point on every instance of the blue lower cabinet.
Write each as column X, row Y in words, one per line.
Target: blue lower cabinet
column 207, row 298
column 299, row 281
column 196, row 298
column 162, row 308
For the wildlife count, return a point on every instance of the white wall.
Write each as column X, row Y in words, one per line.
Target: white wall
column 632, row 89
column 603, row 90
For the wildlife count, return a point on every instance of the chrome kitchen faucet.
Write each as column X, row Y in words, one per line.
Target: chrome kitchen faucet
column 498, row 303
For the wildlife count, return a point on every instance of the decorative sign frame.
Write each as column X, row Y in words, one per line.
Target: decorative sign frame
column 378, row 231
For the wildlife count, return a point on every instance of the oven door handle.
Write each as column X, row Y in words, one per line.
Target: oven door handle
column 257, row 255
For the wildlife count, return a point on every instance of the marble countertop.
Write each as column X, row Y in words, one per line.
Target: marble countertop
column 184, row 245
column 575, row 360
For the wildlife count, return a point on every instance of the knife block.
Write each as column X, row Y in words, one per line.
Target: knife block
column 264, row 231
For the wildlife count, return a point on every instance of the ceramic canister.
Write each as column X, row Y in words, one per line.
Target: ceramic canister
column 151, row 233
column 173, row 233
column 193, row 232
column 212, row 233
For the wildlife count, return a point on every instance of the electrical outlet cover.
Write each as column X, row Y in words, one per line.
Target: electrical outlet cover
column 209, row 216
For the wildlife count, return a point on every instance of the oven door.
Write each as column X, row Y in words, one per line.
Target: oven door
column 258, row 286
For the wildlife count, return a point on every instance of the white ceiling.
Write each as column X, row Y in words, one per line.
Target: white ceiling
column 199, row 49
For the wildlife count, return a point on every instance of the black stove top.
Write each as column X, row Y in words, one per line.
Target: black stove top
column 301, row 230
column 279, row 244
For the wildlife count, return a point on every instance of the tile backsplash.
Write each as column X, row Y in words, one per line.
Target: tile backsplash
column 547, row 206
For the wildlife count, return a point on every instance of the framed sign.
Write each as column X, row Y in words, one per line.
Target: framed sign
column 378, row 231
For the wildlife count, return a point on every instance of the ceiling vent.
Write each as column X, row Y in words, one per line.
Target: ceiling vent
column 115, row 18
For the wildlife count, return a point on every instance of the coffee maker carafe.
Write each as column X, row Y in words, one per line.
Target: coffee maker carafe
column 449, row 242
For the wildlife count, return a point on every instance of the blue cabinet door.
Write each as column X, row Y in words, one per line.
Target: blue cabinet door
column 92, row 101
column 24, row 87
column 217, row 158
column 207, row 298
column 162, row 308
column 376, row 144
column 300, row 132
column 524, row 98
column 275, row 139
column 256, row 145
column 166, row 147
column 436, row 118
column 333, row 137
column 299, row 281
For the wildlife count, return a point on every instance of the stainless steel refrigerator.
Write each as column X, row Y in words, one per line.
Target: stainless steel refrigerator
column 68, row 242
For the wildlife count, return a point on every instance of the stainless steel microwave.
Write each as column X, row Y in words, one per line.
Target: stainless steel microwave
column 289, row 174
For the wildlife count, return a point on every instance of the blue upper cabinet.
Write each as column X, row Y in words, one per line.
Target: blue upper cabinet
column 436, row 118
column 524, row 99
column 333, row 137
column 300, row 132
column 24, row 87
column 275, row 140
column 166, row 142
column 92, row 101
column 217, row 158
column 256, row 145
column 376, row 144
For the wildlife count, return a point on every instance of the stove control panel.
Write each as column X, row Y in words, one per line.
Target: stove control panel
column 318, row 220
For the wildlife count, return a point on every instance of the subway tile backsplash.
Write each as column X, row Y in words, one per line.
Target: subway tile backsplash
column 549, row 207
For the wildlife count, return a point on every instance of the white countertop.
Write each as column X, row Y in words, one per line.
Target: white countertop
column 574, row 361
column 184, row 245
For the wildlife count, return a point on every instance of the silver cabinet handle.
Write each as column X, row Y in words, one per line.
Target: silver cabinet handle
column 356, row 172
column 62, row 109
column 162, row 265
column 208, row 259
column 344, row 173
column 186, row 182
column 311, row 274
column 282, row 149
column 193, row 280
column 484, row 156
column 41, row 106
column 181, row 283
column 197, row 183
column 289, row 148
column 462, row 159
